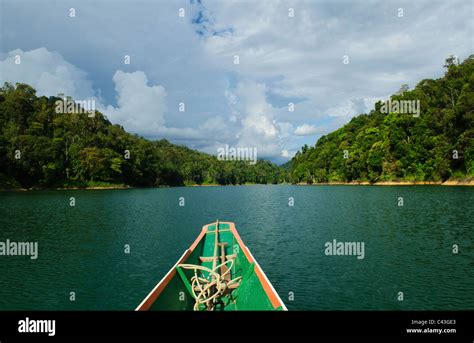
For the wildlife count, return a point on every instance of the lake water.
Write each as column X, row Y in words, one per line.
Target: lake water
column 408, row 248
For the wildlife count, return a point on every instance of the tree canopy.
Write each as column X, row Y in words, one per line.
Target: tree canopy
column 436, row 146
column 42, row 148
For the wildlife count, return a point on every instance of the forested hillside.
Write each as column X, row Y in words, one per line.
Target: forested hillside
column 42, row 148
column 435, row 146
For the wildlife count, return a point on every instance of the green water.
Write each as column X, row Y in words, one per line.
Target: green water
column 81, row 248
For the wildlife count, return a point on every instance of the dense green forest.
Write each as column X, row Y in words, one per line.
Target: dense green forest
column 41, row 148
column 435, row 146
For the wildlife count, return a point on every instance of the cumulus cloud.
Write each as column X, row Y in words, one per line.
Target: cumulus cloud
column 287, row 154
column 255, row 115
column 47, row 71
column 353, row 106
column 306, row 130
column 303, row 56
column 190, row 59
column 140, row 107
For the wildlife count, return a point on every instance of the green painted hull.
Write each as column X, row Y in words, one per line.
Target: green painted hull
column 254, row 292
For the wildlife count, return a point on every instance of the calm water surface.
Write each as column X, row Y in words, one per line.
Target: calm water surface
column 81, row 248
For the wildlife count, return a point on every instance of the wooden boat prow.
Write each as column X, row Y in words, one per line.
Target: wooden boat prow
column 217, row 272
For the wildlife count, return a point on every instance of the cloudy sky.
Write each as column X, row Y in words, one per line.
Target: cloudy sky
column 287, row 51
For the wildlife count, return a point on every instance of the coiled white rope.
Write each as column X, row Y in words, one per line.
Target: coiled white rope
column 210, row 288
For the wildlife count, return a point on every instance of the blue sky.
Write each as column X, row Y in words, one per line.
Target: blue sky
column 190, row 59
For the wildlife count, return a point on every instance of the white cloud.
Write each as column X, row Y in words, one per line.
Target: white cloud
column 46, row 71
column 306, row 130
column 286, row 130
column 353, row 106
column 258, row 127
column 287, row 154
column 305, row 52
column 281, row 58
column 140, row 107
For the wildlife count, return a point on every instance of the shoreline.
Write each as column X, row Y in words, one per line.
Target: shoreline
column 91, row 187
column 393, row 183
column 63, row 188
column 466, row 183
